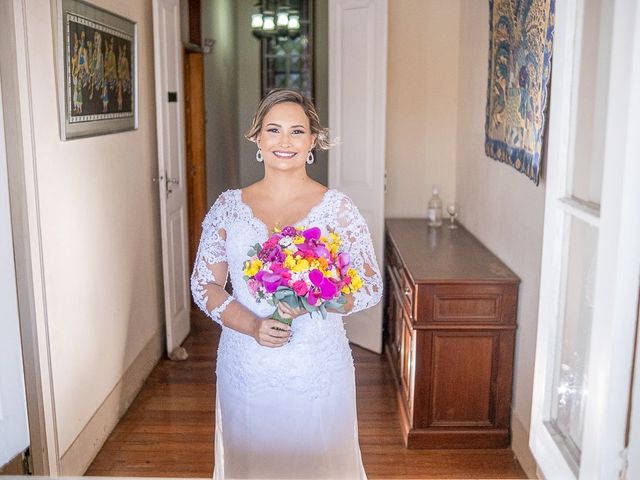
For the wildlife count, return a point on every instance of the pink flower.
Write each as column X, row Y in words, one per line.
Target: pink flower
column 323, row 288
column 271, row 254
column 300, row 287
column 312, row 233
column 343, row 261
column 253, row 285
column 271, row 281
column 289, row 231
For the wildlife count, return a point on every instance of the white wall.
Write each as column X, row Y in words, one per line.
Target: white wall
column 422, row 104
column 99, row 221
column 501, row 207
column 221, row 96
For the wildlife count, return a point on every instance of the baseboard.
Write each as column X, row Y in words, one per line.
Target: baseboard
column 85, row 447
column 520, row 447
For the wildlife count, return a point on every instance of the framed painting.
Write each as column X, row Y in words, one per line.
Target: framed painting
column 97, row 69
column 520, row 47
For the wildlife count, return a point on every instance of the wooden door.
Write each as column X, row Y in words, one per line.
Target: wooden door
column 196, row 147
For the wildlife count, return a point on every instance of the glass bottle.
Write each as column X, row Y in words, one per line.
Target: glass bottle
column 434, row 211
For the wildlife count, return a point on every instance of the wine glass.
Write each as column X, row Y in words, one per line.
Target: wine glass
column 452, row 210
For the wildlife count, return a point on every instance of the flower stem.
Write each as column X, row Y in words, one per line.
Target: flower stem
column 276, row 316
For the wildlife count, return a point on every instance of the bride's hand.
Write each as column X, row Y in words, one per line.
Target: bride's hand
column 271, row 333
column 286, row 311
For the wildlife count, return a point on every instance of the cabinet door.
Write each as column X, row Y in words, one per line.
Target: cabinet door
column 394, row 319
column 406, row 369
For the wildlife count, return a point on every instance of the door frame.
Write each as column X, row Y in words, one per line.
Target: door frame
column 25, row 223
column 611, row 340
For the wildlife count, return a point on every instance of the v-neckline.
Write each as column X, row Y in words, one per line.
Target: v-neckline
column 264, row 226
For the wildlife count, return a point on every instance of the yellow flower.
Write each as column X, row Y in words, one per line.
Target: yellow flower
column 298, row 239
column 301, row 266
column 356, row 283
column 289, row 262
column 345, row 289
column 356, row 280
column 252, row 267
column 335, row 238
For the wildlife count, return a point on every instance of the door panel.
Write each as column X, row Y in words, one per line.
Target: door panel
column 357, row 93
column 171, row 168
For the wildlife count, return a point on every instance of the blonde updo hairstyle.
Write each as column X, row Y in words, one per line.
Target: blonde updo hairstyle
column 281, row 95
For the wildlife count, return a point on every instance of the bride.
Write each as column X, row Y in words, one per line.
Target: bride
column 285, row 396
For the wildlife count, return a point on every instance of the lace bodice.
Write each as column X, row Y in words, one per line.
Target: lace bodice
column 228, row 231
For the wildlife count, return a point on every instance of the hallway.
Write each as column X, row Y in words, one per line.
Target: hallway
column 168, row 430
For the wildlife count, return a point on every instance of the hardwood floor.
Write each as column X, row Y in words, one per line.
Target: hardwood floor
column 168, row 430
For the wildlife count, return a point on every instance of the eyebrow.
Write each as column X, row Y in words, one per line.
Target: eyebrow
column 292, row 126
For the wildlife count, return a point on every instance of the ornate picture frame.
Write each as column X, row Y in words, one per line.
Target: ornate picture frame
column 520, row 47
column 97, row 65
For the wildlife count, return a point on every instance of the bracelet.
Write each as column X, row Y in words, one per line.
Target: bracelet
column 216, row 312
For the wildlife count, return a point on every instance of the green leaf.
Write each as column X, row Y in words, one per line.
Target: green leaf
column 306, row 305
column 333, row 304
column 291, row 300
column 323, row 311
column 252, row 252
column 283, row 292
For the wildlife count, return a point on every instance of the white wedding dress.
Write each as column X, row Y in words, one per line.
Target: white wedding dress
column 286, row 412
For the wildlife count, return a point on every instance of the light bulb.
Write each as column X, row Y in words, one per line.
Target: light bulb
column 294, row 22
column 283, row 19
column 268, row 25
column 256, row 20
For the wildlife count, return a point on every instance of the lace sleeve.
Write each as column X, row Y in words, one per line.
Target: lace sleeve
column 357, row 241
column 210, row 269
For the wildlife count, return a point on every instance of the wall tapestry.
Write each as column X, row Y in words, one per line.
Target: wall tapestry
column 98, row 66
column 520, row 46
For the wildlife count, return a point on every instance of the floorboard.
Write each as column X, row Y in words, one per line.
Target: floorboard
column 168, row 430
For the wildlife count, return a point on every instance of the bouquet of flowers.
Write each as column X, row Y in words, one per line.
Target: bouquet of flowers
column 302, row 268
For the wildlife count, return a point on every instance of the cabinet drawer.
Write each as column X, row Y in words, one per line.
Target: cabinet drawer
column 470, row 304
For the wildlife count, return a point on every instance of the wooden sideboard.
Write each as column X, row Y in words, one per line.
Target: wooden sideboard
column 449, row 335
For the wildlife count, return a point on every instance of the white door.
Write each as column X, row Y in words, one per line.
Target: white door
column 171, row 168
column 591, row 261
column 14, row 428
column 357, row 96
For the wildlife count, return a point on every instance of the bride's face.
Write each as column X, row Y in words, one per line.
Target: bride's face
column 285, row 138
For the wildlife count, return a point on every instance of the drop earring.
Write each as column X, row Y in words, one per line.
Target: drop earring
column 259, row 157
column 310, row 157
